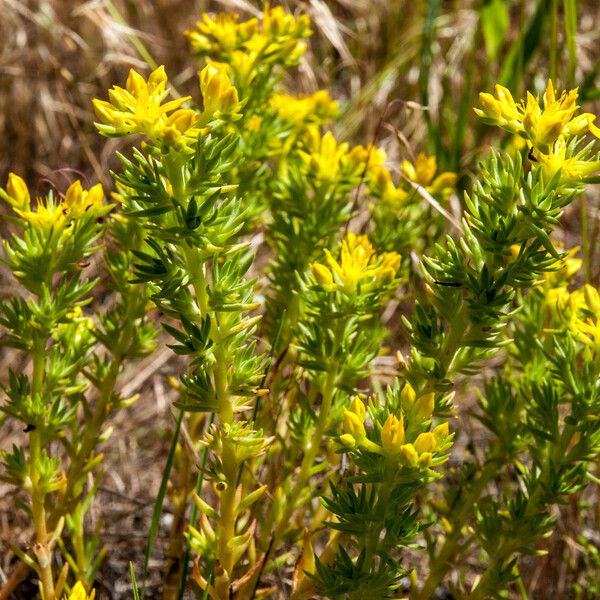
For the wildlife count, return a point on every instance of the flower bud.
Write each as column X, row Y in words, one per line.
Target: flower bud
column 18, row 192
column 392, row 434
column 348, row 440
column 218, row 94
column 408, row 455
column 425, row 460
column 423, row 407
column 358, row 407
column 400, row 360
column 425, row 442
column 407, row 396
column 579, row 125
column 354, row 426
column 322, row 275
column 440, row 433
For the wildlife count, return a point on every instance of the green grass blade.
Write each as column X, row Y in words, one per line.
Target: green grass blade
column 424, row 71
column 136, row 592
column 570, row 8
column 553, row 39
column 523, row 49
column 133, row 38
column 160, row 499
column 464, row 111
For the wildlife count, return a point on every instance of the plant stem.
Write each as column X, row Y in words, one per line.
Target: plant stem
column 38, row 510
column 310, row 454
column 554, row 454
column 441, row 564
column 89, row 440
column 553, row 39
column 228, row 499
column 374, row 534
column 585, row 243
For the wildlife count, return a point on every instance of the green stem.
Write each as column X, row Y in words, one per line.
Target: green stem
column 442, row 563
column 372, row 540
column 78, row 539
column 553, row 39
column 585, row 243
column 228, row 497
column 453, row 341
column 38, row 510
column 228, row 500
column 554, row 454
column 310, row 454
column 89, row 440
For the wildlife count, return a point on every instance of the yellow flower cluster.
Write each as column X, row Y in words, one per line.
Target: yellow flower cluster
column 548, row 127
column 358, row 266
column 420, row 172
column 332, row 162
column 314, row 109
column 582, row 314
column 572, row 168
column 394, row 445
column 556, row 282
column 277, row 39
column 139, row 108
column 55, row 213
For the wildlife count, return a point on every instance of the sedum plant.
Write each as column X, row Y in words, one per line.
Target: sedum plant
column 291, row 453
column 66, row 399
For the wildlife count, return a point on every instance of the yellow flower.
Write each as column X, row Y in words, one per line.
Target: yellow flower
column 54, row 213
column 583, row 317
column 358, row 265
column 572, row 168
column 17, row 194
column 423, row 169
column 331, row 162
column 218, row 94
column 48, row 215
column 323, row 276
column 139, row 108
column 407, row 396
column 221, row 33
column 440, row 433
column 423, row 408
column 408, row 456
column 425, row 442
column 278, row 24
column 541, row 124
column 500, row 109
column 392, row 434
column 353, row 422
column 317, row 108
column 275, row 39
column 422, row 172
column 78, row 593
column 79, row 201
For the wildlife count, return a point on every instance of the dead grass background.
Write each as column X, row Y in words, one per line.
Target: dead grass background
column 56, row 55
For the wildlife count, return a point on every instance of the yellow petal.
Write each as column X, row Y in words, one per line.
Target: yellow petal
column 425, row 442
column 18, row 192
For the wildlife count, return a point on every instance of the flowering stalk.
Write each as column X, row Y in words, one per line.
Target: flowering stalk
column 45, row 257
column 503, row 408
column 197, row 276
